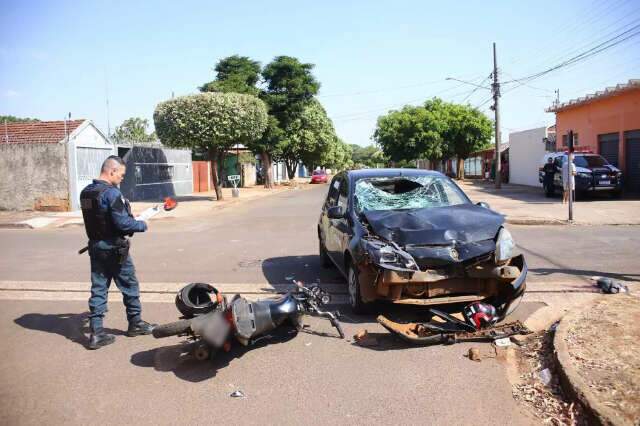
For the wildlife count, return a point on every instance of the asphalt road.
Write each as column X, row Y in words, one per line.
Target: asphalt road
column 271, row 239
column 48, row 376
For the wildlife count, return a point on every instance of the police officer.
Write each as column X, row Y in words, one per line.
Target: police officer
column 549, row 171
column 108, row 220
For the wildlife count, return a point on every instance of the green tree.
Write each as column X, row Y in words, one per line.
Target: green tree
column 133, row 130
column 235, row 74
column 214, row 121
column 290, row 87
column 368, row 156
column 339, row 156
column 308, row 138
column 467, row 130
column 14, row 119
column 411, row 133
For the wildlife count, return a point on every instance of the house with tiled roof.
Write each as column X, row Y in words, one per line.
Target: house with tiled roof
column 45, row 164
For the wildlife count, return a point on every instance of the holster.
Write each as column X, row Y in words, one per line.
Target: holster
column 122, row 250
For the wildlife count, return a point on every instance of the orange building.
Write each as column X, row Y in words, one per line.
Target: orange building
column 606, row 123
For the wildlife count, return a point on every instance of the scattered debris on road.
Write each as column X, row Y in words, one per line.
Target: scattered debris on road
column 474, row 354
column 609, row 286
column 502, row 343
column 237, row 394
column 449, row 332
column 364, row 339
column 546, row 401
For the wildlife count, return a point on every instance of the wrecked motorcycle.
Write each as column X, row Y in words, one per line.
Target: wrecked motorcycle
column 247, row 320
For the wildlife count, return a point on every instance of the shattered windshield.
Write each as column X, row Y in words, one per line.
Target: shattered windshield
column 406, row 192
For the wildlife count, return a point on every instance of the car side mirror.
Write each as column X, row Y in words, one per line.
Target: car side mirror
column 335, row 212
column 483, row 204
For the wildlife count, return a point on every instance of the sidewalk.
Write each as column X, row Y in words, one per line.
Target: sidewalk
column 526, row 205
column 598, row 353
column 189, row 206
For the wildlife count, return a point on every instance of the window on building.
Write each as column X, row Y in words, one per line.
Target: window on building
column 165, row 173
column 565, row 140
column 138, row 171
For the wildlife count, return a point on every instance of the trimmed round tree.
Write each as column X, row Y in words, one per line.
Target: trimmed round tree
column 212, row 121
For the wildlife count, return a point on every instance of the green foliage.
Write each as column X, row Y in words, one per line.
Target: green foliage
column 308, row 137
column 412, row 132
column 14, row 119
column 133, row 130
column 290, row 87
column 338, row 156
column 369, row 156
column 468, row 130
column 433, row 131
column 235, row 74
column 212, row 120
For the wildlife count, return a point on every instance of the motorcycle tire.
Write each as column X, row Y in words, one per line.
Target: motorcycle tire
column 172, row 329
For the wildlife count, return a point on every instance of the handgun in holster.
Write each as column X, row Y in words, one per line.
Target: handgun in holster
column 122, row 250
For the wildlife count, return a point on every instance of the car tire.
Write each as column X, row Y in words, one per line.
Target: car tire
column 325, row 261
column 355, row 295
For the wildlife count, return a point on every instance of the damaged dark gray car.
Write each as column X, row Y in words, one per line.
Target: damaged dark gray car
column 413, row 237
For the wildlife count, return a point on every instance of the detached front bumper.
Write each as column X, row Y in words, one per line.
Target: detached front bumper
column 500, row 285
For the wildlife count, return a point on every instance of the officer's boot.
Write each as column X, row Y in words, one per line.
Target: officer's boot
column 138, row 328
column 99, row 338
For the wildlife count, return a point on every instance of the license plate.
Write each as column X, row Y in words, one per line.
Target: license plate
column 604, row 182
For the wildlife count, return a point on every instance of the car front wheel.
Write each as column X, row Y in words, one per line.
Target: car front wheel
column 324, row 257
column 355, row 296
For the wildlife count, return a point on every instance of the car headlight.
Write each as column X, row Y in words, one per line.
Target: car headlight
column 504, row 245
column 387, row 255
column 584, row 175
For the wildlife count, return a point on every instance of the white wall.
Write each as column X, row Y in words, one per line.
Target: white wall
column 526, row 150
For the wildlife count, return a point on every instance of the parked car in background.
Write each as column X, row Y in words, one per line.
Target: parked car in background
column 412, row 236
column 593, row 173
column 319, row 176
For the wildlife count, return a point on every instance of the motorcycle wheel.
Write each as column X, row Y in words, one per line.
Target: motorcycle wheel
column 172, row 329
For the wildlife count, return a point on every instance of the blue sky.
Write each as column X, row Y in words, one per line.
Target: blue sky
column 370, row 57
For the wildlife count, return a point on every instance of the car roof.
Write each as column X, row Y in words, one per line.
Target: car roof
column 370, row 173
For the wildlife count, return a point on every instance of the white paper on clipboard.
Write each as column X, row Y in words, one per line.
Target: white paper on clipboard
column 148, row 213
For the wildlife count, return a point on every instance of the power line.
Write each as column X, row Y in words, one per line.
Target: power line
column 613, row 41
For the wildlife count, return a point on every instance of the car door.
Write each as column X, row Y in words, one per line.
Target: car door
column 326, row 223
column 341, row 227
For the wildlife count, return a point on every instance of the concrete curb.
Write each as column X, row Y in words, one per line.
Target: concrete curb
column 17, row 225
column 535, row 221
column 572, row 383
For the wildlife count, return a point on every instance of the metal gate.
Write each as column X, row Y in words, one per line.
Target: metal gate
column 632, row 154
column 608, row 146
column 200, row 176
column 88, row 164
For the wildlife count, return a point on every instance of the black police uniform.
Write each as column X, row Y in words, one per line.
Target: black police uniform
column 108, row 220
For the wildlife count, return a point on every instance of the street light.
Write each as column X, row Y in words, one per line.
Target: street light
column 468, row 82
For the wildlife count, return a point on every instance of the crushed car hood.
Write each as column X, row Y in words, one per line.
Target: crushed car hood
column 464, row 223
column 439, row 236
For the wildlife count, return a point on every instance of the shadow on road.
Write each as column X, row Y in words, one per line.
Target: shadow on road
column 178, row 359
column 279, row 270
column 74, row 327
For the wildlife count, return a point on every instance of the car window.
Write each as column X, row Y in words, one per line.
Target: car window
column 344, row 194
column 334, row 191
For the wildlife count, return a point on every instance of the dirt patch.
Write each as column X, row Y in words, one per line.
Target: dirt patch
column 545, row 401
column 604, row 346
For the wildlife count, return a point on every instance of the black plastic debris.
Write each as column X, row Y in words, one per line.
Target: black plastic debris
column 609, row 286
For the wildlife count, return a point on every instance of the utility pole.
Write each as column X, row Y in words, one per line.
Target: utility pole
column 570, row 173
column 496, row 94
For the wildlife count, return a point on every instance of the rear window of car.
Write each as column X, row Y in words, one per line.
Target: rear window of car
column 318, row 172
column 406, row 192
